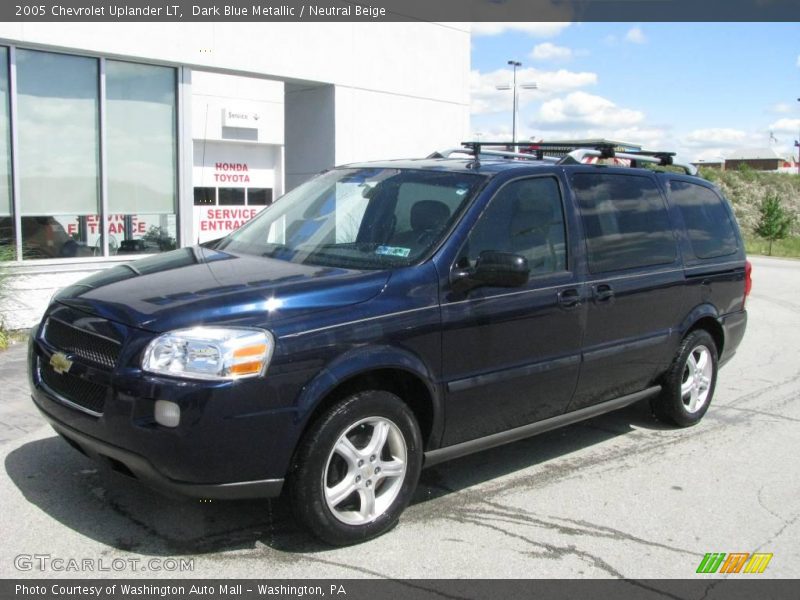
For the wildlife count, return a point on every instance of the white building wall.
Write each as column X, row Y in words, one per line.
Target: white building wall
column 373, row 125
column 30, row 291
column 311, row 127
column 215, row 93
column 426, row 60
column 380, row 90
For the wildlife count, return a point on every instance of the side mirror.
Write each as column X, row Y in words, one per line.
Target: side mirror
column 496, row 269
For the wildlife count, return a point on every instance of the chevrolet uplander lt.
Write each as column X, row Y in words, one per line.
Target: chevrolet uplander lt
column 387, row 316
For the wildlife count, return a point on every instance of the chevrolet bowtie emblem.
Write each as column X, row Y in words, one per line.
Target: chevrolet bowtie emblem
column 60, row 363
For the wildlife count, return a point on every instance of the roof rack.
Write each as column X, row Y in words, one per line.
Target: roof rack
column 565, row 154
column 662, row 159
column 477, row 151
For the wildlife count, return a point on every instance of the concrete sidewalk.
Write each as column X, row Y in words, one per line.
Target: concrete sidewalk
column 18, row 415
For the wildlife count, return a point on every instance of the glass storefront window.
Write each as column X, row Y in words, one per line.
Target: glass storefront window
column 58, row 145
column 231, row 196
column 141, row 137
column 259, row 196
column 205, row 196
column 6, row 221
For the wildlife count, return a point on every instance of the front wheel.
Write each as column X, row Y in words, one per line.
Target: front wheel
column 357, row 468
column 689, row 384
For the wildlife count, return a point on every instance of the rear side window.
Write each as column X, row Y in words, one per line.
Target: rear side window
column 625, row 221
column 708, row 223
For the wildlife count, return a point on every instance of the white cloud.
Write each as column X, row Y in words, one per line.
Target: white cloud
column 798, row 61
column 635, row 36
column 781, row 108
column 710, row 155
column 713, row 143
column 487, row 99
column 790, row 126
column 548, row 51
column 580, row 109
column 494, row 132
column 649, row 138
column 540, row 30
column 720, row 137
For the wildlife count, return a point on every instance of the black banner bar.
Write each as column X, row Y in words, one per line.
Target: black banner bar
column 400, row 10
column 702, row 588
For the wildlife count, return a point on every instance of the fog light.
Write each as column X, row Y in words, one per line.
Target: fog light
column 168, row 414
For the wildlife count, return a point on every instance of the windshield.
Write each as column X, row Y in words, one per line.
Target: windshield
column 358, row 218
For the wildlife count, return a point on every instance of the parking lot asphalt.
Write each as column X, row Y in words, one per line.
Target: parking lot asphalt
column 617, row 496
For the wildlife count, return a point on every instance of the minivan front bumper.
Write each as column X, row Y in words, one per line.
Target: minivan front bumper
column 235, row 439
column 136, row 466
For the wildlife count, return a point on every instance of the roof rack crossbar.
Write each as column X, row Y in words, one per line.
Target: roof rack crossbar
column 470, row 150
column 663, row 159
column 575, row 153
column 523, row 155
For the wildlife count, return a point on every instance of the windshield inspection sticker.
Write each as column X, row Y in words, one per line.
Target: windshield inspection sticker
column 393, row 251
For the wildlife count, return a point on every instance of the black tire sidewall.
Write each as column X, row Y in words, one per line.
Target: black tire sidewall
column 669, row 404
column 305, row 481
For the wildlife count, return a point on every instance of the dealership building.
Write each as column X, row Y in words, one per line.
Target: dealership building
column 119, row 140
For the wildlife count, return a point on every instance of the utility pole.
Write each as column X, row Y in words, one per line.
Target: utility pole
column 513, row 87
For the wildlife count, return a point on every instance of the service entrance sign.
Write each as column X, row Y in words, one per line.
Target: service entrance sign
column 233, row 178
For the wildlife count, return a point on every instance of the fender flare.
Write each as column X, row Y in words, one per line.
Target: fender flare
column 360, row 361
column 701, row 311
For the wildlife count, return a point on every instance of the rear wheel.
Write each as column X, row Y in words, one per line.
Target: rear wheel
column 689, row 384
column 357, row 468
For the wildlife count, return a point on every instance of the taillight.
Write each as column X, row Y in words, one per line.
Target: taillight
column 748, row 280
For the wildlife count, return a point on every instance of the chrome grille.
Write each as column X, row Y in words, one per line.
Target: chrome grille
column 84, row 344
column 83, row 394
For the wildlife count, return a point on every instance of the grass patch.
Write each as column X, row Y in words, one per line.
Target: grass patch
column 787, row 248
column 7, row 338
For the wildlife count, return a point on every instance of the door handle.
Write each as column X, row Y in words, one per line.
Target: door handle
column 603, row 292
column 569, row 298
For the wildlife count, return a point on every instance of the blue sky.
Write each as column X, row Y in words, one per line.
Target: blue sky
column 703, row 89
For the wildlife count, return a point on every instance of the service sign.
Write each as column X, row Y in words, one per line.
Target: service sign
column 234, row 177
column 212, row 222
column 240, row 117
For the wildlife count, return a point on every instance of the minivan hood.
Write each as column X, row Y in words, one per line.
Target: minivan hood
column 198, row 285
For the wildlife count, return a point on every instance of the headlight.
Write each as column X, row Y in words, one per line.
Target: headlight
column 210, row 353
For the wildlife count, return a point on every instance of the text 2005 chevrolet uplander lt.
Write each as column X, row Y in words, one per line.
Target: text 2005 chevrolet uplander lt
column 386, row 316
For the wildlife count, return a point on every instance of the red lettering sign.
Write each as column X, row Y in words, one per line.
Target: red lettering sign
column 228, row 178
column 225, row 166
column 116, row 225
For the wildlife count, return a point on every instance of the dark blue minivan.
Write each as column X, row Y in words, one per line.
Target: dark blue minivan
column 387, row 316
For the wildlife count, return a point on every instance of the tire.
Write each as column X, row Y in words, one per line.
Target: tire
column 356, row 468
column 688, row 386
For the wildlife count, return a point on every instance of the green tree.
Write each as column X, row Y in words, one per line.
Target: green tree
column 774, row 221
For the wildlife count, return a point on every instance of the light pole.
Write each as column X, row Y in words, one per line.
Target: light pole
column 513, row 87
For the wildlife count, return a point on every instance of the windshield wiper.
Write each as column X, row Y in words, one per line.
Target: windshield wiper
column 358, row 246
